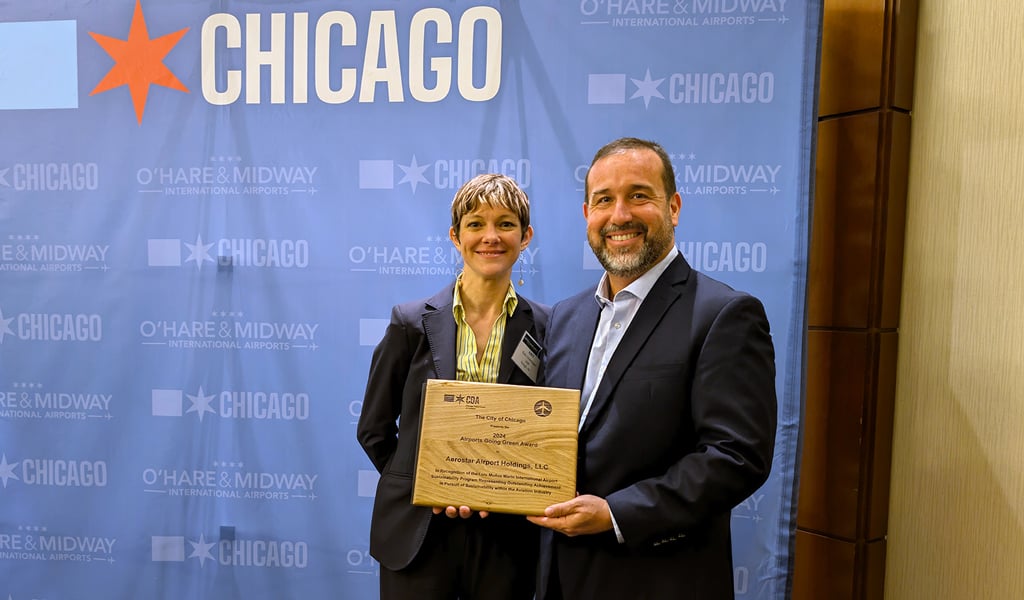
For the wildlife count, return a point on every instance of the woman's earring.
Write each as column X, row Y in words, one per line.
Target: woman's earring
column 521, row 282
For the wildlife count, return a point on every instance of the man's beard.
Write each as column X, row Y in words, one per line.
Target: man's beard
column 628, row 263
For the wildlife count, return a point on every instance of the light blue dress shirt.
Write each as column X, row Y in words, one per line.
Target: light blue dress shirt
column 616, row 315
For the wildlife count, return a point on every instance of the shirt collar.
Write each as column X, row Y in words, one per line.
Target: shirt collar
column 642, row 285
column 511, row 300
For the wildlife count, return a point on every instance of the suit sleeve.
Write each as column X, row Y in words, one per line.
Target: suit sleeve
column 382, row 401
column 733, row 411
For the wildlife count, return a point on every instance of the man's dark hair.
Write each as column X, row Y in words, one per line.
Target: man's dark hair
column 668, row 174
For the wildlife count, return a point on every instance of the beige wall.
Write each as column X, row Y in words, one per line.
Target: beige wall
column 956, row 522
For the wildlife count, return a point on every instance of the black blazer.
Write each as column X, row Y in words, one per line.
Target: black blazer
column 681, row 430
column 419, row 344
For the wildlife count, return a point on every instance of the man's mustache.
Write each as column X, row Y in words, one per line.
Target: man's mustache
column 610, row 229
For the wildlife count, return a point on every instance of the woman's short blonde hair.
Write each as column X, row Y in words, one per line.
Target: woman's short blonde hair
column 494, row 190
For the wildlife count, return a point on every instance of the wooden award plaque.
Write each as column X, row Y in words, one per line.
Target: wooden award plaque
column 496, row 447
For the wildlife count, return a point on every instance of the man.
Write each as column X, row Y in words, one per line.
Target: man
column 678, row 407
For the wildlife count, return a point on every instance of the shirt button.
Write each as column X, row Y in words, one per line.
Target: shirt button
column 618, row 326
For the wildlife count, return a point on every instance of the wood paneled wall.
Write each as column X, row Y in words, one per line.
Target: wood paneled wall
column 855, row 273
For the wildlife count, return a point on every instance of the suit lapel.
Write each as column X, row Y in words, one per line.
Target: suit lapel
column 439, row 328
column 582, row 326
column 662, row 296
column 515, row 326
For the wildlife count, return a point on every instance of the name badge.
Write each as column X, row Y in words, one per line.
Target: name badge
column 527, row 356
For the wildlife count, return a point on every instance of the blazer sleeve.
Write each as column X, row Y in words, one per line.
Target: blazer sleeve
column 377, row 430
column 733, row 412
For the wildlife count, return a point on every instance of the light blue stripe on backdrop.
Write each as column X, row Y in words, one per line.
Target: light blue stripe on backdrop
column 38, row 65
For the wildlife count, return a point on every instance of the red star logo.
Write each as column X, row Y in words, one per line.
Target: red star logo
column 138, row 61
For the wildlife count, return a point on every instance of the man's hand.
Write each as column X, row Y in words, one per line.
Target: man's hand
column 463, row 511
column 583, row 515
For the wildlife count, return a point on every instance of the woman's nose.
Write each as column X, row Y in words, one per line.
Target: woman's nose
column 490, row 232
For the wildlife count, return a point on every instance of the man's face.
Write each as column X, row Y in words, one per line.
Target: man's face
column 629, row 220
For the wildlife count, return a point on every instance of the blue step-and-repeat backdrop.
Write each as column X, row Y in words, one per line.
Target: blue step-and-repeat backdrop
column 207, row 210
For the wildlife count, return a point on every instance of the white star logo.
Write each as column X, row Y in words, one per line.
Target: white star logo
column 201, row 550
column 3, row 177
column 414, row 174
column 199, row 252
column 647, row 88
column 5, row 326
column 7, row 470
column 200, row 403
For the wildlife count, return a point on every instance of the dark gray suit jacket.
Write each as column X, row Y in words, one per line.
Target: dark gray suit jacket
column 681, row 430
column 419, row 344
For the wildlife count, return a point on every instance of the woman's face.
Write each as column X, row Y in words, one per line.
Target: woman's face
column 490, row 240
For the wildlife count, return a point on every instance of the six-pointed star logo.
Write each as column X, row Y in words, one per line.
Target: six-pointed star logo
column 138, row 61
column 414, row 174
column 201, row 550
column 7, row 470
column 647, row 88
column 200, row 403
column 5, row 326
column 199, row 252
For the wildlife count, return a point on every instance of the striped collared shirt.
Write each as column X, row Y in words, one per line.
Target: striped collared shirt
column 467, row 367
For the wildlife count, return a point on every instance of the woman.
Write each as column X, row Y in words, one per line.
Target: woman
column 467, row 331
